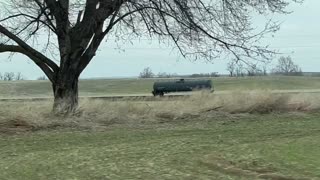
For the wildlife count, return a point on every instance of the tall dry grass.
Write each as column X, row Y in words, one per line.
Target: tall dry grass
column 103, row 113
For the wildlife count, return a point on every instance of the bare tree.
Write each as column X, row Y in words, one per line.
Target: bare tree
column 231, row 67
column 254, row 70
column 8, row 76
column 18, row 77
column 146, row 73
column 286, row 66
column 11, row 76
column 76, row 28
column 41, row 78
column 265, row 67
column 240, row 70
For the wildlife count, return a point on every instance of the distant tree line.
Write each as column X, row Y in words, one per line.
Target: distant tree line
column 11, row 76
column 166, row 75
column 213, row 74
column 284, row 66
column 241, row 70
column 41, row 78
column 196, row 75
column 148, row 73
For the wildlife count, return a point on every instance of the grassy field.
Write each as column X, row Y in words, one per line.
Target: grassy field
column 270, row 146
column 247, row 134
column 140, row 86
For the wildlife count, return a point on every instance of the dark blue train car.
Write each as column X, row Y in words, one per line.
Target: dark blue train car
column 182, row 85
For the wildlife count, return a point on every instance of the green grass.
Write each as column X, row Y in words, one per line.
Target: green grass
column 129, row 141
column 221, row 147
column 267, row 83
column 138, row 86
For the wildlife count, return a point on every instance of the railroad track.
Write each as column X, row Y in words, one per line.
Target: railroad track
column 146, row 97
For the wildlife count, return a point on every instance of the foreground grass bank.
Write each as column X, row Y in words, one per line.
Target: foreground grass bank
column 220, row 146
column 240, row 135
column 102, row 87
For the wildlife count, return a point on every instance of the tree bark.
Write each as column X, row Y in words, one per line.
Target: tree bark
column 65, row 90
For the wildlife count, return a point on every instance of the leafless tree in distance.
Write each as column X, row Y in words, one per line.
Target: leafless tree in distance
column 265, row 67
column 18, row 76
column 231, row 67
column 11, row 76
column 286, row 66
column 42, row 78
column 146, row 73
column 8, row 76
column 240, row 70
column 254, row 70
column 204, row 29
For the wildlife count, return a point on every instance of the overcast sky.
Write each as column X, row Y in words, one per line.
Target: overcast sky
column 298, row 37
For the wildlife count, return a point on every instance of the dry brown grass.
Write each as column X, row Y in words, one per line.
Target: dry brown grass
column 95, row 114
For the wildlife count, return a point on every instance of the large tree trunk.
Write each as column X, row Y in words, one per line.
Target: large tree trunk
column 65, row 90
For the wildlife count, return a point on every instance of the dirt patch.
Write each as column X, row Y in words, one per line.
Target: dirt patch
column 15, row 125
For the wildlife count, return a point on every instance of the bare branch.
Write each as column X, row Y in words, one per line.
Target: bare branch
column 17, row 49
column 29, row 49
